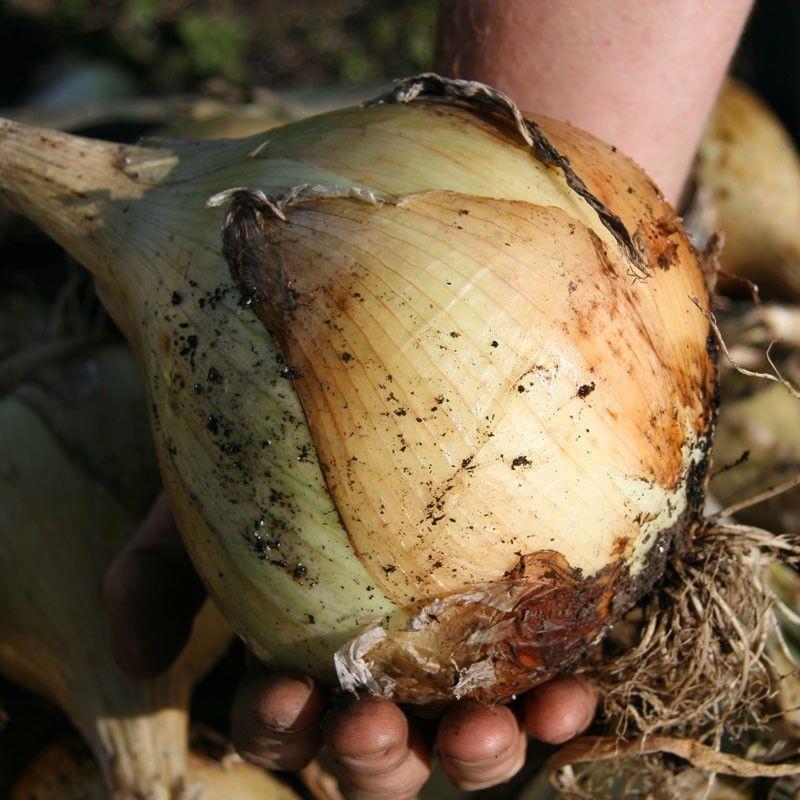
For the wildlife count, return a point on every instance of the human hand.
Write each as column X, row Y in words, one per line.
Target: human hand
column 279, row 720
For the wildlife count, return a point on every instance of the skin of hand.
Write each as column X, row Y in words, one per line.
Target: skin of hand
column 280, row 721
column 642, row 76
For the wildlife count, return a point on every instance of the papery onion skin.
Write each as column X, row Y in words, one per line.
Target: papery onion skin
column 467, row 382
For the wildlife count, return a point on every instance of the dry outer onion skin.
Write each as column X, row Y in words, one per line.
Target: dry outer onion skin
column 750, row 167
column 65, row 771
column 471, row 412
column 77, row 474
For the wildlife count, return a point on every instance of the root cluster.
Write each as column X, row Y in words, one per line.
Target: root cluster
column 689, row 699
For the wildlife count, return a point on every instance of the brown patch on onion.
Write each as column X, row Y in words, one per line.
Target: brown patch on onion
column 494, row 641
column 490, row 642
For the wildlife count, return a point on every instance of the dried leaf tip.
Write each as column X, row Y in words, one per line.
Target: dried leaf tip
column 297, row 195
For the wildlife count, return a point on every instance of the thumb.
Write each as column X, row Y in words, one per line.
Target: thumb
column 152, row 594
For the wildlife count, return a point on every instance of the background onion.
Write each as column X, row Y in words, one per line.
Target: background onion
column 78, row 472
column 750, row 170
column 458, row 389
column 760, row 433
column 64, row 771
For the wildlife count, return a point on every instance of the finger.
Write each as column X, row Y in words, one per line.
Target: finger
column 480, row 746
column 377, row 753
column 276, row 719
column 152, row 594
column 560, row 709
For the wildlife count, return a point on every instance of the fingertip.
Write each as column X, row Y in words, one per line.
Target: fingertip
column 375, row 750
column 276, row 718
column 480, row 746
column 471, row 731
column 276, row 702
column 151, row 593
column 362, row 727
column 560, row 709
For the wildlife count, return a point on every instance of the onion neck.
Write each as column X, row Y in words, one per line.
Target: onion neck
column 139, row 729
column 143, row 757
column 78, row 191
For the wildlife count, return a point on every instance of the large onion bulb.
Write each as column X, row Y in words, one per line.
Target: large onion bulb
column 446, row 409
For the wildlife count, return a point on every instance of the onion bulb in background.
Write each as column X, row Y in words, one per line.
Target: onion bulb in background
column 207, row 118
column 758, row 440
column 210, row 118
column 65, row 771
column 77, row 474
column 748, row 177
column 444, row 406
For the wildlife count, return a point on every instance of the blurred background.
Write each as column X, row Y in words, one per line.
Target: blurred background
column 121, row 69
column 157, row 46
column 146, row 47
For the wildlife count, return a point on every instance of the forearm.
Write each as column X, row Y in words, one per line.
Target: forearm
column 641, row 74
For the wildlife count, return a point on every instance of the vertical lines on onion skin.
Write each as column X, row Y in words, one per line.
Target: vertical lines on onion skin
column 443, row 343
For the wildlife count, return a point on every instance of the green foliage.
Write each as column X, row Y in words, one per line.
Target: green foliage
column 214, row 45
column 178, row 45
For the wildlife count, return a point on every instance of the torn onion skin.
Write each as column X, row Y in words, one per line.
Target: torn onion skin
column 436, row 411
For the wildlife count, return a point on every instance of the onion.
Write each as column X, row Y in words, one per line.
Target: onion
column 749, row 168
column 447, row 407
column 64, row 771
column 758, row 440
column 77, row 472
